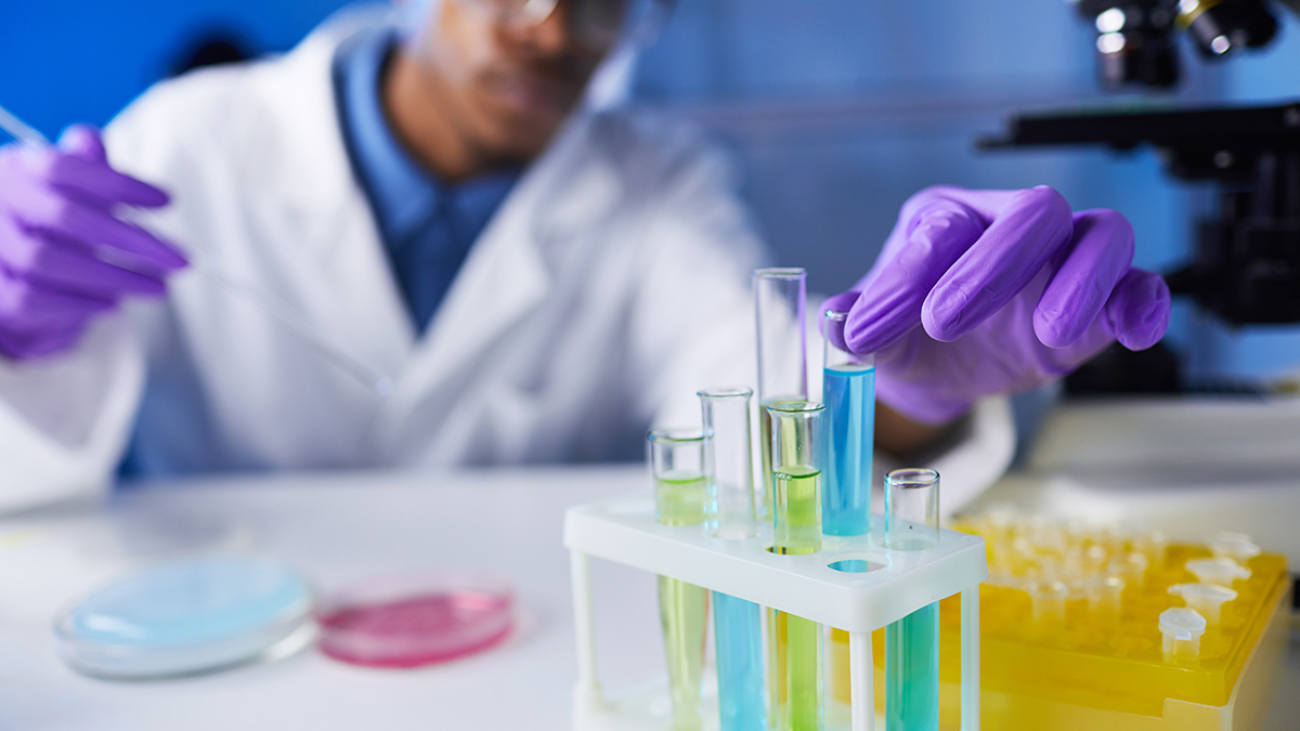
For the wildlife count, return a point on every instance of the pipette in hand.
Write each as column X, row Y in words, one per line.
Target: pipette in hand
column 67, row 198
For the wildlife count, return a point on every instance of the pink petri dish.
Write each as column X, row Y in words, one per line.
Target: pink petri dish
column 414, row 620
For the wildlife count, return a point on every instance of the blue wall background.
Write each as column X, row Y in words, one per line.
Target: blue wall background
column 837, row 110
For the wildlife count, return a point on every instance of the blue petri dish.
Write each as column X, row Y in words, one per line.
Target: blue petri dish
column 187, row 617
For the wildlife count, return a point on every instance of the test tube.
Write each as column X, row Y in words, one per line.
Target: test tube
column 1237, row 546
column 797, row 451
column 679, row 465
column 1181, row 630
column 1104, row 598
column 1132, row 568
column 849, row 392
column 780, row 298
column 1206, row 599
column 737, row 623
column 1221, row 571
column 912, row 643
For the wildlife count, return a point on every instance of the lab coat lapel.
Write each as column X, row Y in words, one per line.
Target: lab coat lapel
column 344, row 282
column 509, row 269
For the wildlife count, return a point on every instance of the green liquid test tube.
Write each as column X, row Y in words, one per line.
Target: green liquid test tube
column 678, row 468
column 912, row 643
column 797, row 451
column 780, row 301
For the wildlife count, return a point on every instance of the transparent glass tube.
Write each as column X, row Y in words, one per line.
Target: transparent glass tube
column 679, row 465
column 798, row 432
column 849, row 392
column 912, row 643
column 911, row 509
column 731, row 480
column 737, row 623
column 780, row 298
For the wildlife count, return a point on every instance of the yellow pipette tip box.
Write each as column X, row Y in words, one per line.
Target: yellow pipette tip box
column 1071, row 636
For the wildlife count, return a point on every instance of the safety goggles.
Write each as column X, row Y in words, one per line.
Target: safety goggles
column 596, row 23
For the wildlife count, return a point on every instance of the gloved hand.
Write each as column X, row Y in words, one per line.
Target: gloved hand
column 980, row 292
column 64, row 255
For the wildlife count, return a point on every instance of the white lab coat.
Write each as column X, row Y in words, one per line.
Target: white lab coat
column 611, row 285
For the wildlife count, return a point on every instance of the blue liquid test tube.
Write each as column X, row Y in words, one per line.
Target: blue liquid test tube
column 849, row 392
column 737, row 623
column 912, row 643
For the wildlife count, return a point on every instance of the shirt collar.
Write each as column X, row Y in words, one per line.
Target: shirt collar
column 404, row 195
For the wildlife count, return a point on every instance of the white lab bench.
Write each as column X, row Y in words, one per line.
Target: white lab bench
column 339, row 527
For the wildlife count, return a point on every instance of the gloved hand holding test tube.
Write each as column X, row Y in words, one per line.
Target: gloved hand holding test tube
column 67, row 258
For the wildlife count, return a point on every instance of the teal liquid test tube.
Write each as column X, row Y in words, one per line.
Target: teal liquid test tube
column 912, row 643
column 679, row 468
column 797, row 449
column 737, row 623
column 780, row 302
column 849, row 393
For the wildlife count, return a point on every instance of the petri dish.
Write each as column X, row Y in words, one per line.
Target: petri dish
column 187, row 617
column 416, row 619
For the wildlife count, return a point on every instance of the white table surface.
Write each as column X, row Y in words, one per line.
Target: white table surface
column 338, row 528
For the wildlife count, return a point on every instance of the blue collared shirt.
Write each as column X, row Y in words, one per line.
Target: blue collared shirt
column 427, row 226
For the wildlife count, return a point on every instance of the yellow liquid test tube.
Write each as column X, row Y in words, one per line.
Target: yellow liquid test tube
column 678, row 467
column 797, row 452
column 780, row 301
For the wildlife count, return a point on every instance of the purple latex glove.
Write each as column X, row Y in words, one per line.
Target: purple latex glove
column 64, row 256
column 1010, row 291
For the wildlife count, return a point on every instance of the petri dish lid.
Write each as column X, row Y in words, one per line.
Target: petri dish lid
column 187, row 617
column 416, row 619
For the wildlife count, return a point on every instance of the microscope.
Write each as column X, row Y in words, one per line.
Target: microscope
column 1197, row 462
column 1246, row 267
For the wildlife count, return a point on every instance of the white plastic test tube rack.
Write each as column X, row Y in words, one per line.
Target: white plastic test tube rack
column 897, row 583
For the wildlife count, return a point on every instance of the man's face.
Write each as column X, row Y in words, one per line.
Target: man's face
column 508, row 84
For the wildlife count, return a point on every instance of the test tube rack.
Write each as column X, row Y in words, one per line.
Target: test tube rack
column 893, row 585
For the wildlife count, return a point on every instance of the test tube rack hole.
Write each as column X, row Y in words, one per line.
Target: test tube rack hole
column 896, row 584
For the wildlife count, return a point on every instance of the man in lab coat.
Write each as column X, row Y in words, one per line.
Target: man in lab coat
column 425, row 249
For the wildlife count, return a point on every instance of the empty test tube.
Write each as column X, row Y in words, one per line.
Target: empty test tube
column 1221, row 571
column 849, row 392
column 1047, row 604
column 737, row 623
column 1206, row 599
column 912, row 643
column 1104, row 593
column 1132, row 568
column 1237, row 546
column 678, row 463
column 1153, row 545
column 797, row 451
column 1182, row 630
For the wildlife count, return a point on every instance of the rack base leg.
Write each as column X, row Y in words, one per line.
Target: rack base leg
column 970, row 659
column 587, row 696
column 862, row 693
